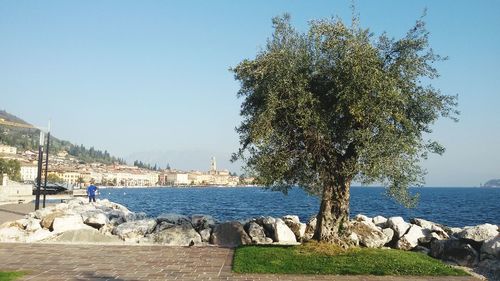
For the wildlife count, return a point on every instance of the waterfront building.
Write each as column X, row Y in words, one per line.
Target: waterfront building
column 176, row 178
column 28, row 172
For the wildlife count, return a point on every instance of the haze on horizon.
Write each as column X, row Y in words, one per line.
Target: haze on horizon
column 150, row 80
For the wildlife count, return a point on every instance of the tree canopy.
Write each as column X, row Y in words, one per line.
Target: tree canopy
column 337, row 104
column 10, row 167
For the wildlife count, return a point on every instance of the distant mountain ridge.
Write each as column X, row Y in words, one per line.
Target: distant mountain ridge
column 27, row 139
column 492, row 183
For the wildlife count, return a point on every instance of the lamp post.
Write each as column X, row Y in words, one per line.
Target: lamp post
column 46, row 164
column 39, row 179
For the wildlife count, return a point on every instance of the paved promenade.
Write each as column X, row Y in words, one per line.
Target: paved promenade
column 51, row 262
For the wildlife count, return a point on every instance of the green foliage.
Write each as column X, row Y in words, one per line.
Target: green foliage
column 53, row 178
column 28, row 139
column 10, row 276
column 142, row 165
column 336, row 104
column 357, row 261
column 10, row 167
column 93, row 155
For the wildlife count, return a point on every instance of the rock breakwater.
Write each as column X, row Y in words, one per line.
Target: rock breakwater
column 78, row 221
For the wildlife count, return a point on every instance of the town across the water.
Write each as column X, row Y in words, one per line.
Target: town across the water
column 68, row 170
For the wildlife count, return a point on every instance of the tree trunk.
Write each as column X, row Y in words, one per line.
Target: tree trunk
column 331, row 225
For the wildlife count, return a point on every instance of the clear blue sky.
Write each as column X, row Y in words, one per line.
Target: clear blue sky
column 150, row 79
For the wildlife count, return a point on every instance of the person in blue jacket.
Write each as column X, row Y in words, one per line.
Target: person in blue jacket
column 91, row 191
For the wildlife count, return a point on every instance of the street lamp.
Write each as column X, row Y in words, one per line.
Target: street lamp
column 46, row 163
column 39, row 178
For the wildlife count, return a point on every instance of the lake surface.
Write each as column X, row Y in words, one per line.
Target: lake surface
column 449, row 206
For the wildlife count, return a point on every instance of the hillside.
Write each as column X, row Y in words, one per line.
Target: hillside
column 27, row 139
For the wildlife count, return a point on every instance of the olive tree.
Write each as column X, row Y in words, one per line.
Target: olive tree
column 335, row 104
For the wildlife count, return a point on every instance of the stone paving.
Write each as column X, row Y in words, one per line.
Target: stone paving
column 58, row 262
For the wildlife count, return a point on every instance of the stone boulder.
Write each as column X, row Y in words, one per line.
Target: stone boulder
column 177, row 235
column 257, row 234
column 479, row 233
column 389, row 233
column 96, row 218
column 282, row 233
column 201, row 222
column 268, row 223
column 361, row 217
column 491, row 248
column 48, row 219
column 12, row 234
column 205, row 234
column 174, row 219
column 429, row 237
column 380, row 221
column 116, row 217
column 89, row 235
column 411, row 238
column 490, row 268
column 310, row 228
column 439, row 231
column 455, row 251
column 68, row 222
column 40, row 235
column 368, row 234
column 131, row 231
column 41, row 213
column 32, row 224
column 398, row 225
column 230, row 234
column 298, row 228
column 163, row 225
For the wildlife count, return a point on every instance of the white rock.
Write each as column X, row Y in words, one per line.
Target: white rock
column 90, row 235
column 398, row 225
column 389, row 233
column 135, row 229
column 40, row 235
column 310, row 228
column 205, row 234
column 68, row 222
column 12, row 234
column 95, row 218
column 361, row 217
column 354, row 238
column 268, row 223
column 33, row 225
column 283, row 233
column 423, row 223
column 62, row 206
column 41, row 213
column 410, row 239
column 380, row 221
column 295, row 225
column 479, row 233
column 369, row 235
column 256, row 232
column 178, row 235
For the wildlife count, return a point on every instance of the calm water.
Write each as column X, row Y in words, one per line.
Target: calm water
column 449, row 206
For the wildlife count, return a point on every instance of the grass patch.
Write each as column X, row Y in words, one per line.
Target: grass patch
column 9, row 276
column 318, row 258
